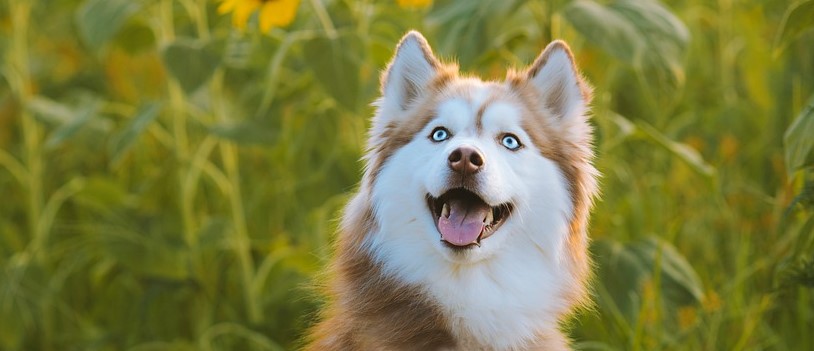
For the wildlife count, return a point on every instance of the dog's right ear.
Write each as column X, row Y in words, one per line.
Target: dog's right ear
column 409, row 73
column 557, row 80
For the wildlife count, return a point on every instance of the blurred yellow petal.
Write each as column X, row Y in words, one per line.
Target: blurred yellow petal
column 271, row 12
column 277, row 13
column 227, row 6
column 414, row 3
column 242, row 13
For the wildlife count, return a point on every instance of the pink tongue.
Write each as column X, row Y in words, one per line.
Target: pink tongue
column 464, row 224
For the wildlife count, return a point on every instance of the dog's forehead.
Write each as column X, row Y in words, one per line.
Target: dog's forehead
column 483, row 105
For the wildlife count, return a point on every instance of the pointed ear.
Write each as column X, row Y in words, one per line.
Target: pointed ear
column 409, row 72
column 556, row 78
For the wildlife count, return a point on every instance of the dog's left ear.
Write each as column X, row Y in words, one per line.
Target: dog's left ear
column 556, row 78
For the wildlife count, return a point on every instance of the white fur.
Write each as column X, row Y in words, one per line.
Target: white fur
column 509, row 289
column 512, row 289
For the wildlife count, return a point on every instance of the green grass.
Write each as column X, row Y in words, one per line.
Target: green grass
column 169, row 182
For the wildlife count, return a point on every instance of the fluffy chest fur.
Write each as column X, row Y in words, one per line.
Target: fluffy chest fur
column 469, row 229
column 505, row 303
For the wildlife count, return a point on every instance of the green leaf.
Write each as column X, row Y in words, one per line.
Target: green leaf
column 679, row 282
column 103, row 194
column 799, row 17
column 191, row 62
column 99, row 20
column 642, row 33
column 336, row 63
column 799, row 140
column 60, row 115
column 50, row 111
column 463, row 25
column 212, row 235
column 144, row 254
column 799, row 272
column 135, row 37
column 22, row 285
column 122, row 141
column 625, row 268
column 72, row 126
column 620, row 273
column 244, row 132
column 683, row 151
column 606, row 29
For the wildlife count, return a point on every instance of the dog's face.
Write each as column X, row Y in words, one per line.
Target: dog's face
column 465, row 169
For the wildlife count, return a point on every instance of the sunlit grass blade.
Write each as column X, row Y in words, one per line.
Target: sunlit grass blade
column 799, row 17
column 122, row 141
column 799, row 139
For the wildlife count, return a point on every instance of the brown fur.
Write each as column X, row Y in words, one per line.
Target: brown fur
column 370, row 311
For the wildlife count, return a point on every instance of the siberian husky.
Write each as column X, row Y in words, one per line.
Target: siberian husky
column 469, row 230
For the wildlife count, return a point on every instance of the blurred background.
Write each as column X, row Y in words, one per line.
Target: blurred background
column 172, row 171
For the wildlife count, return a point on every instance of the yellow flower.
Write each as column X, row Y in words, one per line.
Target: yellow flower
column 712, row 302
column 686, row 317
column 271, row 12
column 414, row 3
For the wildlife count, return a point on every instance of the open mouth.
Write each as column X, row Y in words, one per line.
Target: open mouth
column 464, row 219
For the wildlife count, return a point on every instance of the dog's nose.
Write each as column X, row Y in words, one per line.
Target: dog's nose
column 466, row 160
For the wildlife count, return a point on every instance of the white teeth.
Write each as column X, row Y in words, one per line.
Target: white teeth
column 445, row 211
column 489, row 217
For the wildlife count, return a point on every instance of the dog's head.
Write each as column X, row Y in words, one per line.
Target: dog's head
column 473, row 168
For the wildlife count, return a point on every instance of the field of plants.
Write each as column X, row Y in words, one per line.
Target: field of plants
column 171, row 171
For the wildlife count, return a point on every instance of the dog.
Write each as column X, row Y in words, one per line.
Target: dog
column 469, row 228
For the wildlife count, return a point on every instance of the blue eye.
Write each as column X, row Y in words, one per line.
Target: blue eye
column 510, row 142
column 439, row 134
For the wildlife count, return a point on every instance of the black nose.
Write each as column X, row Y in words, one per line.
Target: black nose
column 466, row 160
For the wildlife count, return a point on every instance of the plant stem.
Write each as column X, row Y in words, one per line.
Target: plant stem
column 20, row 74
column 241, row 240
column 14, row 167
column 179, row 130
column 273, row 70
column 20, row 13
column 230, row 158
column 324, row 18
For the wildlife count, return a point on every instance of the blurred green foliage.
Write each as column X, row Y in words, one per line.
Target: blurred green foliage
column 171, row 183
